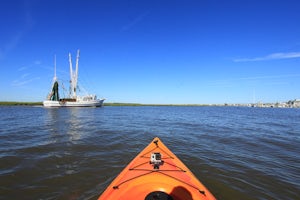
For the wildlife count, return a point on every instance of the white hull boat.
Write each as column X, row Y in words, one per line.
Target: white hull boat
column 65, row 103
column 73, row 100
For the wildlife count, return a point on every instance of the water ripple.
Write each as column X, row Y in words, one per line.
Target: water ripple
column 238, row 153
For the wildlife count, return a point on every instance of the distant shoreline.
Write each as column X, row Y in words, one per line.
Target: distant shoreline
column 16, row 103
column 267, row 105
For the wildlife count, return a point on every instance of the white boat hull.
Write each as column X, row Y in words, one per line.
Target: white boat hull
column 90, row 103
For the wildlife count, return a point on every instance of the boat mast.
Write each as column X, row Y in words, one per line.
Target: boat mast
column 55, row 77
column 76, row 71
column 73, row 76
column 54, row 95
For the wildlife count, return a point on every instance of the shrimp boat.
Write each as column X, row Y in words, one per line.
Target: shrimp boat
column 73, row 100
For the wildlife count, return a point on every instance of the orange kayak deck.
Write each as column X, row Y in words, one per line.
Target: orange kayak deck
column 156, row 173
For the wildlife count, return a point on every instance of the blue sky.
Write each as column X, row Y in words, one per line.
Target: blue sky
column 156, row 51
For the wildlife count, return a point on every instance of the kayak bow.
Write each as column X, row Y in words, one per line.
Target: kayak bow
column 156, row 173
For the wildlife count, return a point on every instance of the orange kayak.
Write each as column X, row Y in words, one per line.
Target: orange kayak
column 156, row 173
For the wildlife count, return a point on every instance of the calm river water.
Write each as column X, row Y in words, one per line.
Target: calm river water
column 74, row 153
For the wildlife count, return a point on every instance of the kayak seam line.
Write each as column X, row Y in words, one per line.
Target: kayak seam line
column 180, row 169
column 176, row 167
column 117, row 186
column 201, row 191
column 161, row 172
column 157, row 147
column 138, row 165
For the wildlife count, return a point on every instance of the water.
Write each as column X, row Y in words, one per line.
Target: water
column 74, row 153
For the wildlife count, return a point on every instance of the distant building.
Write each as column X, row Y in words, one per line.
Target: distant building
column 294, row 103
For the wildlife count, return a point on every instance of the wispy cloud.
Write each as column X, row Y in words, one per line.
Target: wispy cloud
column 37, row 62
column 25, row 75
column 250, row 80
column 274, row 56
column 22, row 81
column 22, row 68
column 135, row 21
column 10, row 44
column 14, row 39
column 269, row 77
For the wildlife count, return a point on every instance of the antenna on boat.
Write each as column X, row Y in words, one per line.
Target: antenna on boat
column 55, row 77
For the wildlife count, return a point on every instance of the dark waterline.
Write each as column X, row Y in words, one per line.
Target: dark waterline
column 74, row 153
